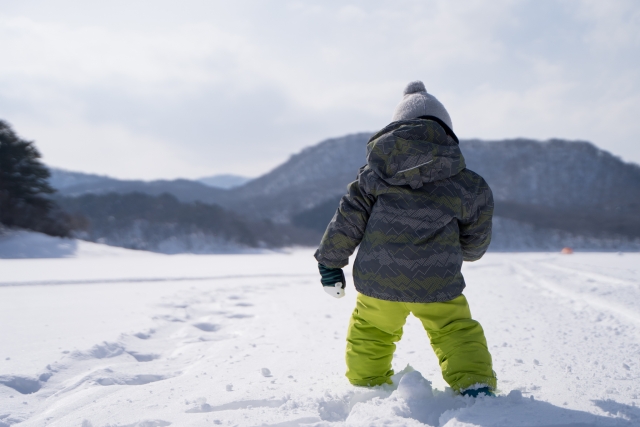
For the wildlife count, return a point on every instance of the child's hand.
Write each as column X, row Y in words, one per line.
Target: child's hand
column 332, row 280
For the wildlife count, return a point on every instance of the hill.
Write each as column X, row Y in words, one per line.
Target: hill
column 74, row 184
column 556, row 174
column 164, row 224
column 572, row 193
column 569, row 191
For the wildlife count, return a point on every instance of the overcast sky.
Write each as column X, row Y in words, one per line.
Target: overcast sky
column 165, row 89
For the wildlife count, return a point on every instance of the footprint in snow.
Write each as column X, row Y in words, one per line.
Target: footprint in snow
column 207, row 327
column 145, row 335
column 244, row 304
column 106, row 350
column 22, row 385
column 239, row 316
column 135, row 380
column 333, row 410
column 140, row 357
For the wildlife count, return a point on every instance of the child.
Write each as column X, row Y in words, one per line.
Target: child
column 417, row 213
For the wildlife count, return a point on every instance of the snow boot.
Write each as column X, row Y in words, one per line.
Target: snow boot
column 475, row 392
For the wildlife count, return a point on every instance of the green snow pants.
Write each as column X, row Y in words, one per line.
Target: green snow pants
column 458, row 341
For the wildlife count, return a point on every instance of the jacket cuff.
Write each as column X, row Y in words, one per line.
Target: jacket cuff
column 327, row 262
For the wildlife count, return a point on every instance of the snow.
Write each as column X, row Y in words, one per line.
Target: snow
column 136, row 339
column 21, row 244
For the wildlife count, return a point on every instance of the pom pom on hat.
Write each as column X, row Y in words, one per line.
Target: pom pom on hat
column 417, row 102
column 413, row 87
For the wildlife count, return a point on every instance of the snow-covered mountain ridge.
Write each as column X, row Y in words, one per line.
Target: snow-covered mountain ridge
column 554, row 173
column 554, row 186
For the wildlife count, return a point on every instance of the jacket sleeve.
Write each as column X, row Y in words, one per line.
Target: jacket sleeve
column 475, row 229
column 346, row 229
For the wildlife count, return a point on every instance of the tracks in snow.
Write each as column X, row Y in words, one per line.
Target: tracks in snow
column 598, row 291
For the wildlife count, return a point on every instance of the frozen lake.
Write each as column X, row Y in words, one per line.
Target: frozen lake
column 119, row 338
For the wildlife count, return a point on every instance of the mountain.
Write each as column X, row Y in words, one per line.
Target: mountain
column 556, row 174
column 62, row 180
column 308, row 178
column 75, row 184
column 224, row 181
column 317, row 173
column 566, row 191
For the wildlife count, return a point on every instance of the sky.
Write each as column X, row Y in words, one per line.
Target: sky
column 150, row 89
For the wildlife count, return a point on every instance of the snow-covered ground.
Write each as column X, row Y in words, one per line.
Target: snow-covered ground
column 148, row 340
column 20, row 244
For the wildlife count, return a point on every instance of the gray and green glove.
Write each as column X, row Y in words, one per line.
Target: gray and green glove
column 332, row 280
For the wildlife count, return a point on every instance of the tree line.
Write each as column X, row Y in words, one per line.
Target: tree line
column 24, row 188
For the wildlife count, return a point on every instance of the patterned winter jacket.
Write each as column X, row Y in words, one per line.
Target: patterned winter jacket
column 415, row 211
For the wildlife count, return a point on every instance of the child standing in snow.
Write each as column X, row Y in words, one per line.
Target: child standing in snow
column 417, row 213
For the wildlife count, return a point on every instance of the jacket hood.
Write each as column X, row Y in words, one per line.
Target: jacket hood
column 412, row 152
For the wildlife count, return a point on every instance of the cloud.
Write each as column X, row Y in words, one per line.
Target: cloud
column 97, row 148
column 213, row 86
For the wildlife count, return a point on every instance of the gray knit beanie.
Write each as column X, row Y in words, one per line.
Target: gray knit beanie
column 417, row 102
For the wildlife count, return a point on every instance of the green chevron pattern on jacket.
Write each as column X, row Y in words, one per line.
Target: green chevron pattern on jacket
column 416, row 212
